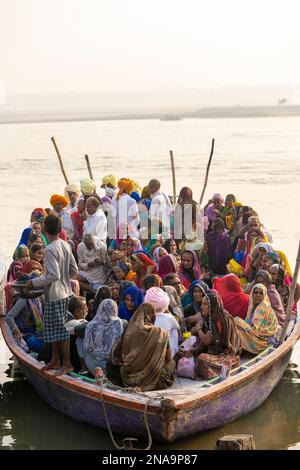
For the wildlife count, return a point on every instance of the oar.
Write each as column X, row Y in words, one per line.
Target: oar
column 173, row 176
column 89, row 166
column 60, row 160
column 207, row 170
column 291, row 299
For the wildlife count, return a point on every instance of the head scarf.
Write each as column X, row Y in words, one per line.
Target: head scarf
column 103, row 331
column 57, row 199
column 138, row 298
column 14, row 270
column 166, row 265
column 265, row 275
column 72, row 188
column 185, row 196
column 32, row 265
column 158, row 298
column 235, row 301
column 124, row 267
column 102, row 293
column 140, row 256
column 20, row 251
column 40, row 212
column 87, row 186
column 262, row 317
column 141, row 351
column 189, row 298
column 221, row 326
column 186, row 277
column 266, row 246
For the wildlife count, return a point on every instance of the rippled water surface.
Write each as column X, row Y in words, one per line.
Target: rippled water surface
column 257, row 159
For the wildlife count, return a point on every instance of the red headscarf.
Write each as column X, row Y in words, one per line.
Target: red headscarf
column 166, row 265
column 235, row 301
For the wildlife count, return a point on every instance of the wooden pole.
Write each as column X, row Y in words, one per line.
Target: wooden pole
column 291, row 299
column 207, row 170
column 89, row 166
column 60, row 160
column 173, row 176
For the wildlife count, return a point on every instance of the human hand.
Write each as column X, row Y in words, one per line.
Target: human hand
column 17, row 334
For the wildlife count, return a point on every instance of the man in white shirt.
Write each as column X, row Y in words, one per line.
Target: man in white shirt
column 96, row 223
column 125, row 211
column 161, row 207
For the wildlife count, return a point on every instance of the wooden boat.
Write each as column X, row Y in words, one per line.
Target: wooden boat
column 188, row 407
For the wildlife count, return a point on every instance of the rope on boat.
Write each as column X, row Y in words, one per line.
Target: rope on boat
column 127, row 441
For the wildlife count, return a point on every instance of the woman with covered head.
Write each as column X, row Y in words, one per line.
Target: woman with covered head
column 37, row 215
column 218, row 341
column 259, row 328
column 235, row 301
column 187, row 214
column 122, row 272
column 215, row 207
column 192, row 311
column 142, row 265
column 132, row 298
column 143, row 353
column 277, row 274
column 160, row 301
column 189, row 269
column 101, row 334
column 219, row 246
column 166, row 265
column 264, row 277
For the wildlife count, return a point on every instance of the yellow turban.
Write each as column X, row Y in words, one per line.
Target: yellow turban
column 87, row 186
column 72, row 188
column 136, row 187
column 57, row 199
column 109, row 179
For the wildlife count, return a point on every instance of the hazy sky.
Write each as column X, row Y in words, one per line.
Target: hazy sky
column 126, row 45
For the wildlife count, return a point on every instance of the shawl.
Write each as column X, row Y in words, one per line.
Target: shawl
column 25, row 236
column 221, row 326
column 20, row 251
column 14, row 270
column 166, row 265
column 141, row 257
column 262, row 317
column 235, row 301
column 103, row 331
column 188, row 297
column 141, row 350
column 219, row 251
column 186, row 277
column 138, row 298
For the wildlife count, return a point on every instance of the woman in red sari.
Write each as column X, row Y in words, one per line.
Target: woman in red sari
column 235, row 301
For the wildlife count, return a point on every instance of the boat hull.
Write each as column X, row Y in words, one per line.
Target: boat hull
column 217, row 411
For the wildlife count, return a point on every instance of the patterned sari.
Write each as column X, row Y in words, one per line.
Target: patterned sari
column 258, row 330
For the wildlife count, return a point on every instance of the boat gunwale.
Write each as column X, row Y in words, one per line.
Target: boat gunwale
column 137, row 402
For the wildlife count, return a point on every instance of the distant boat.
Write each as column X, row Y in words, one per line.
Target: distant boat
column 171, row 117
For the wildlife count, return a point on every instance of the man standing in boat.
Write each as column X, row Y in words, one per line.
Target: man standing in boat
column 60, row 267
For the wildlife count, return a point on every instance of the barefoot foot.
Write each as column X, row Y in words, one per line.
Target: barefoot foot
column 64, row 370
column 51, row 366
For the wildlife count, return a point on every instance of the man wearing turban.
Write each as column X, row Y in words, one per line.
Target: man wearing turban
column 59, row 204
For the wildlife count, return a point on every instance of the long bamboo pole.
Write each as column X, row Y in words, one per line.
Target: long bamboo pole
column 291, row 298
column 89, row 166
column 60, row 160
column 207, row 170
column 173, row 176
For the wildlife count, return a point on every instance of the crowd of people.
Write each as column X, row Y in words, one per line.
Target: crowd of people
column 144, row 287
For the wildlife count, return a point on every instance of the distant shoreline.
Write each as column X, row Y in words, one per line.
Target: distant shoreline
column 205, row 113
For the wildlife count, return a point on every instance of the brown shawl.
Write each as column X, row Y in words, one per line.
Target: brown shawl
column 141, row 350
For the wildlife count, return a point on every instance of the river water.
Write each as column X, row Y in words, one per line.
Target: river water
column 257, row 159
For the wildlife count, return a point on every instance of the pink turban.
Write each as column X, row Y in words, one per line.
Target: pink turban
column 158, row 298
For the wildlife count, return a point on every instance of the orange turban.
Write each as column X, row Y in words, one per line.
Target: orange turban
column 125, row 186
column 57, row 199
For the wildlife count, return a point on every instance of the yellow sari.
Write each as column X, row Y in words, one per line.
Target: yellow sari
column 259, row 325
